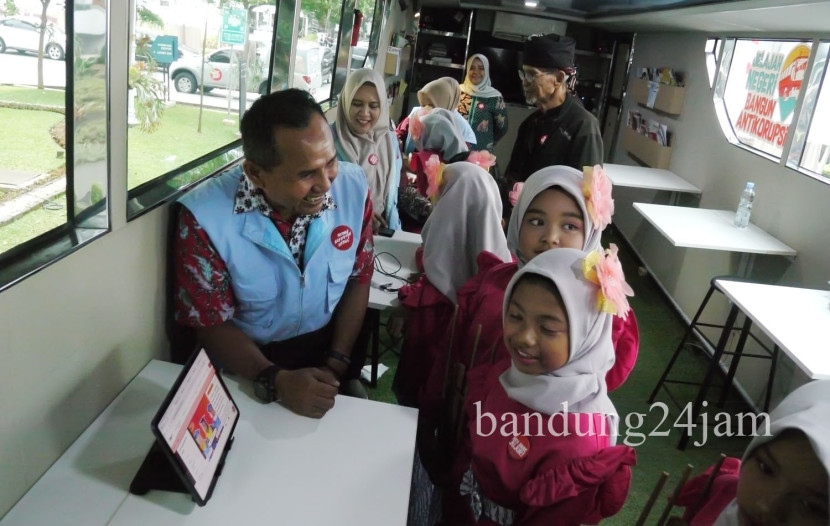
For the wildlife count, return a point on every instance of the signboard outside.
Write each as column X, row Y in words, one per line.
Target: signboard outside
column 165, row 49
column 234, row 26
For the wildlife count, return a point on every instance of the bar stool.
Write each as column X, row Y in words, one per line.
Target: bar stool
column 715, row 353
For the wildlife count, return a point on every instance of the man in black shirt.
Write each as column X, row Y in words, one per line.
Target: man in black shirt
column 561, row 131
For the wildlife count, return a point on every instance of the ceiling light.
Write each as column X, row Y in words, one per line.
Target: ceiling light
column 531, row 3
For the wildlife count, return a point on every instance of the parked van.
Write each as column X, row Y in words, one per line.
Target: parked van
column 309, row 63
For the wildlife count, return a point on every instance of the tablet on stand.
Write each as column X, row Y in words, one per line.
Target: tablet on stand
column 194, row 432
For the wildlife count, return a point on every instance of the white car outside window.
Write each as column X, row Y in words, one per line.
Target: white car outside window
column 23, row 34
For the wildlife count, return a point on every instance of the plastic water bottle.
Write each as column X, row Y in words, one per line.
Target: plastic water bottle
column 745, row 206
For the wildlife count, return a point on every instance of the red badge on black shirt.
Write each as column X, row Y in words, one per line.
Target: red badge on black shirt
column 373, row 159
column 342, row 237
column 542, row 139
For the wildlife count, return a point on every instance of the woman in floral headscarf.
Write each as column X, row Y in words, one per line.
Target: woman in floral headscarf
column 482, row 104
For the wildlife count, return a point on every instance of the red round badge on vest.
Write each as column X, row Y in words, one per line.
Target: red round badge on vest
column 481, row 105
column 373, row 159
column 518, row 447
column 342, row 237
column 542, row 139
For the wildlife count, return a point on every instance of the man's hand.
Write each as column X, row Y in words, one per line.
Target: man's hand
column 377, row 222
column 396, row 322
column 308, row 392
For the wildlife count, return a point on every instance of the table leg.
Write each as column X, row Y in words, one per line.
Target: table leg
column 771, row 379
column 736, row 358
column 745, row 264
column 710, row 374
column 374, row 322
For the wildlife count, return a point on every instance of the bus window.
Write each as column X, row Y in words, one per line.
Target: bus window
column 810, row 152
column 763, row 84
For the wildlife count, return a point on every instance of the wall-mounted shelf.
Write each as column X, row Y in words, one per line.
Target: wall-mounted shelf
column 429, row 62
column 646, row 150
column 437, row 33
column 669, row 99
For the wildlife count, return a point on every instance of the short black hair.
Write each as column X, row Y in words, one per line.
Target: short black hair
column 291, row 108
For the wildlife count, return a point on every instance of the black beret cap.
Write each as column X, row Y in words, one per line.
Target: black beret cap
column 549, row 52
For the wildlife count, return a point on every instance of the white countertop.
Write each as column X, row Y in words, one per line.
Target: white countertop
column 710, row 229
column 395, row 255
column 648, row 178
column 796, row 319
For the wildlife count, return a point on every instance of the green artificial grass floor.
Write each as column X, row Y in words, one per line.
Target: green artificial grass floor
column 642, row 425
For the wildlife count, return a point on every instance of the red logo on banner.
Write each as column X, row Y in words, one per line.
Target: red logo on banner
column 342, row 237
column 373, row 159
column 518, row 447
column 542, row 139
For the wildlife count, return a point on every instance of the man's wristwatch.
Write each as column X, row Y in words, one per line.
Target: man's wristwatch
column 265, row 386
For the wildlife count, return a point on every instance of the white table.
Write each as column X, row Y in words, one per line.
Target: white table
column 353, row 466
column 796, row 319
column 713, row 230
column 650, row 179
column 394, row 255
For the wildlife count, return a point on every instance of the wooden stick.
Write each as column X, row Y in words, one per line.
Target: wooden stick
column 653, row 497
column 708, row 486
column 676, row 493
column 475, row 348
column 493, row 351
column 444, row 385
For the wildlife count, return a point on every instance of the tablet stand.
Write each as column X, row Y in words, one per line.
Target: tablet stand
column 156, row 472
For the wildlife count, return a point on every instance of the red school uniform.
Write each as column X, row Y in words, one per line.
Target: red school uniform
column 572, row 479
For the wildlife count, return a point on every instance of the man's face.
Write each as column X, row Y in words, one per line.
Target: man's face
column 539, row 85
column 309, row 165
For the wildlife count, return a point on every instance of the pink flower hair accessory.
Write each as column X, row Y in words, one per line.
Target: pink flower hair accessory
column 606, row 271
column 434, row 170
column 596, row 187
column 482, row 158
column 514, row 194
column 416, row 128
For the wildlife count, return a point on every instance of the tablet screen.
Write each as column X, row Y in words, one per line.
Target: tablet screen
column 196, row 421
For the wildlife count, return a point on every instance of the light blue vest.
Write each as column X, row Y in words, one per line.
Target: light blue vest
column 274, row 301
column 391, row 215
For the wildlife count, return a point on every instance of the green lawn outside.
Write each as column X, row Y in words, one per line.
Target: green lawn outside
column 41, row 219
column 176, row 142
column 27, row 145
column 46, row 97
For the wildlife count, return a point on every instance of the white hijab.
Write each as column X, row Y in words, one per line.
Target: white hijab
column 568, row 179
column 483, row 89
column 581, row 381
column 806, row 409
column 440, row 134
column 360, row 148
column 465, row 220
